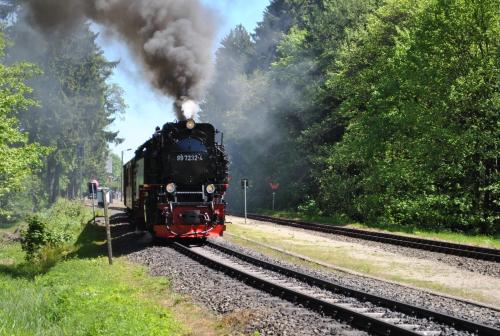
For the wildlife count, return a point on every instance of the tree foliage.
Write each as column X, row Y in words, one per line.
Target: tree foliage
column 54, row 93
column 379, row 110
column 76, row 106
column 421, row 94
column 18, row 158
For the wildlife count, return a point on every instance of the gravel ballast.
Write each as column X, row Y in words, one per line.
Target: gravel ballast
column 224, row 295
column 258, row 311
column 315, row 291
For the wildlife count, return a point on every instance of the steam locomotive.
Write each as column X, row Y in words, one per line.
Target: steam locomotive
column 175, row 184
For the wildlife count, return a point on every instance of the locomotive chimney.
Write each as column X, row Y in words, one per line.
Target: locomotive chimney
column 178, row 110
column 186, row 108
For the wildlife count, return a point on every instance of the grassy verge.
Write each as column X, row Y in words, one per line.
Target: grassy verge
column 80, row 297
column 460, row 238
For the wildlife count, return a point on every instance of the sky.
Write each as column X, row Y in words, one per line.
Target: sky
column 146, row 107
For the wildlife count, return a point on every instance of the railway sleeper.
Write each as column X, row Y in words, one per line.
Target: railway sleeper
column 409, row 326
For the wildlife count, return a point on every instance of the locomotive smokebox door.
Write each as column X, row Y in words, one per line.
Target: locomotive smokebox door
column 191, row 217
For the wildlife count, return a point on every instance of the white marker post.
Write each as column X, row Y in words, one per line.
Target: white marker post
column 105, row 192
column 93, row 199
column 244, row 185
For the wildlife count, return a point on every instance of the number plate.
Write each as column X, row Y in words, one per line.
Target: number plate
column 189, row 157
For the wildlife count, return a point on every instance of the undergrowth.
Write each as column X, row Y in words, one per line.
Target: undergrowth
column 51, row 234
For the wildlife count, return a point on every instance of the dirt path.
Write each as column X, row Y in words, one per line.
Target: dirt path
column 374, row 261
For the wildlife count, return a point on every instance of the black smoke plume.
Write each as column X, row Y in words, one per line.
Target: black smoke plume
column 171, row 38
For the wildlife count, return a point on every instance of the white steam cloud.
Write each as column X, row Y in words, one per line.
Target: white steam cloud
column 190, row 108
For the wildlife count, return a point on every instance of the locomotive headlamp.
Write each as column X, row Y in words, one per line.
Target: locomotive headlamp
column 190, row 124
column 171, row 188
column 210, row 188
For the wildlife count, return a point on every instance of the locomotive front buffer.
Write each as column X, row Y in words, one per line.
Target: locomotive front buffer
column 192, row 219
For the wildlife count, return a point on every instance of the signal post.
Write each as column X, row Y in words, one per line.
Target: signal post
column 274, row 188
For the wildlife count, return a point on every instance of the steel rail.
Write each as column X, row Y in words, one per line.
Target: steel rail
column 458, row 323
column 469, row 251
column 354, row 318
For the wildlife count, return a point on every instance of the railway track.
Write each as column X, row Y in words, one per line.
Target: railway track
column 364, row 311
column 469, row 251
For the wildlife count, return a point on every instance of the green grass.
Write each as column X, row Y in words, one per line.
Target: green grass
column 10, row 254
column 80, row 294
column 460, row 238
column 80, row 297
column 99, row 212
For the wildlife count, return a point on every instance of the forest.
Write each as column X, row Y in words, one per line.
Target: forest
column 381, row 111
column 56, row 107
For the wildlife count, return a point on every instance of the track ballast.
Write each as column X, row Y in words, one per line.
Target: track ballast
column 361, row 310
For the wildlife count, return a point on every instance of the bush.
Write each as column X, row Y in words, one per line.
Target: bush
column 51, row 234
column 309, row 208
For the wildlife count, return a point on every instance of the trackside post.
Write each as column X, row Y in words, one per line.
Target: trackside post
column 93, row 187
column 244, row 185
column 274, row 188
column 105, row 192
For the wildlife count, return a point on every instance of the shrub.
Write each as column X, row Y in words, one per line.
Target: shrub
column 309, row 208
column 51, row 234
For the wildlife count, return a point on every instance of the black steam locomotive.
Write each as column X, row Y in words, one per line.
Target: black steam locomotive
column 175, row 184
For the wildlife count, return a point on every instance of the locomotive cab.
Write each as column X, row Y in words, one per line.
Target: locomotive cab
column 175, row 184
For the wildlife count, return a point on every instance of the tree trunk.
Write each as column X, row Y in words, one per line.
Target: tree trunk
column 55, row 190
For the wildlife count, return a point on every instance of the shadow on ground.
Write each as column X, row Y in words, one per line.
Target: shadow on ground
column 92, row 241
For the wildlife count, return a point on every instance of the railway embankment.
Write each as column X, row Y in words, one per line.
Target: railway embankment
column 245, row 298
column 227, row 305
column 347, row 257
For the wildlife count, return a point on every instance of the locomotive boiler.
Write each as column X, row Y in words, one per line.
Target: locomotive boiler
column 175, row 184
